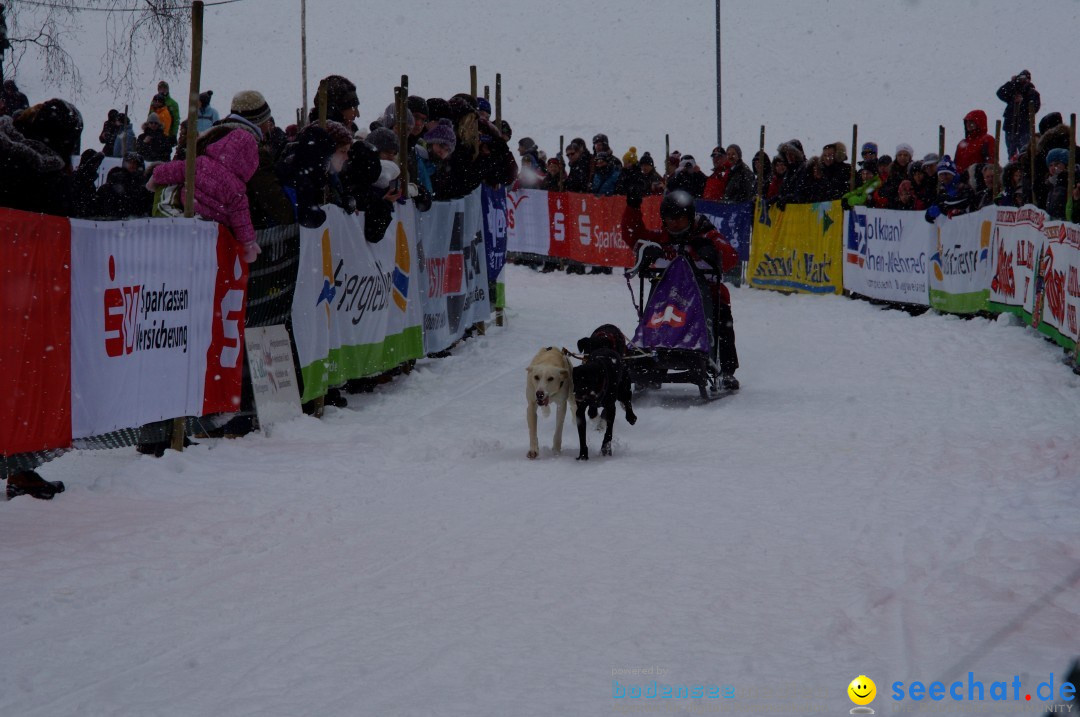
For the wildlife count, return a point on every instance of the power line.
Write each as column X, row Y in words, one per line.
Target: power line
column 78, row 8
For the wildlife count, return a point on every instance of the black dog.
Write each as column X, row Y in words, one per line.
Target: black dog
column 600, row 381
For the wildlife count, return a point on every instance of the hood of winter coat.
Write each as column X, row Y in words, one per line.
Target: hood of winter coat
column 238, row 152
column 980, row 123
column 24, row 152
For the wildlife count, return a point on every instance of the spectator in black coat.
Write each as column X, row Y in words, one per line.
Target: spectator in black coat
column 580, row 176
column 688, row 177
column 109, row 131
column 1012, row 186
column 796, row 185
column 124, row 193
column 1020, row 98
column 836, row 171
column 740, row 184
column 35, row 161
column 304, row 171
column 153, row 145
column 11, row 100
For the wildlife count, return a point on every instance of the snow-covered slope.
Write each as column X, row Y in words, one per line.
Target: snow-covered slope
column 637, row 70
column 882, row 496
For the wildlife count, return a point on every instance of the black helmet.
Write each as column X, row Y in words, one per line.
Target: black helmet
column 677, row 204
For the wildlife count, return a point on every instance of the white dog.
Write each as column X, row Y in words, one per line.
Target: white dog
column 550, row 378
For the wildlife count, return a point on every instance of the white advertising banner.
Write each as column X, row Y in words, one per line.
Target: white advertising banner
column 157, row 316
column 356, row 310
column 887, row 255
column 273, row 378
column 528, row 222
column 455, row 279
column 1017, row 241
column 960, row 262
column 1057, row 289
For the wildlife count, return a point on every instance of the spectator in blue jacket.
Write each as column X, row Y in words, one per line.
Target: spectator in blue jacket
column 207, row 114
column 605, row 175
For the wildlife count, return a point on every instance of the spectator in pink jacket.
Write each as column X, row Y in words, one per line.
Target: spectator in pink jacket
column 221, row 177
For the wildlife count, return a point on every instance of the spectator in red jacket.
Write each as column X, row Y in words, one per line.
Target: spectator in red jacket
column 977, row 146
column 716, row 184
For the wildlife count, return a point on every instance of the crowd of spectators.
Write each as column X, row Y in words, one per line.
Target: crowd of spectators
column 251, row 174
column 968, row 179
column 453, row 146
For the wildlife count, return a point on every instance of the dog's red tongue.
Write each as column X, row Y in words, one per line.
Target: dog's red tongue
column 541, row 399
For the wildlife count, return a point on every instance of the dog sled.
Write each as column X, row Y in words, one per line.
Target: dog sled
column 675, row 340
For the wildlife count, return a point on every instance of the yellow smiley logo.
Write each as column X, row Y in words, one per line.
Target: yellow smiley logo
column 862, row 690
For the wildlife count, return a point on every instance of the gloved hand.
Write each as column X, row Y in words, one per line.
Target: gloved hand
column 250, row 251
column 933, row 213
column 412, row 190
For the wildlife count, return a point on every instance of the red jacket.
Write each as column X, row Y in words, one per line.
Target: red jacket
column 716, row 185
column 636, row 231
column 977, row 147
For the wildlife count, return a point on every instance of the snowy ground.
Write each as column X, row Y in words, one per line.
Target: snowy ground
column 883, row 495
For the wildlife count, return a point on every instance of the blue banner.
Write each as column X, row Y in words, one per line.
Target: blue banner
column 493, row 208
column 734, row 221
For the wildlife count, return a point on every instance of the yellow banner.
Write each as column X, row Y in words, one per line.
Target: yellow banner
column 798, row 249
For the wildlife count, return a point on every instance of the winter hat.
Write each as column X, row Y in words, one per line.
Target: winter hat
column 160, row 98
column 869, row 165
column 389, row 173
column 906, row 186
column 383, row 140
column 603, row 156
column 340, row 94
column 461, row 105
column 718, row 152
column 1057, row 155
column 526, row 144
column 389, row 117
column 600, row 138
column 55, row 123
column 1024, row 73
column 1049, row 122
column 687, row 162
column 250, row 105
column 482, row 105
column 437, row 109
column 507, row 132
column 630, row 158
column 841, row 151
column 418, row 105
column 931, row 158
column 797, row 145
column 647, row 159
column 134, row 158
column 903, row 147
column 442, row 133
column 869, row 147
column 153, row 120
column 339, row 133
column 204, row 97
column 946, row 166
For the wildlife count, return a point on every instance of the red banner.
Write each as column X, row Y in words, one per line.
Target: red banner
column 589, row 229
column 35, row 322
column 226, row 352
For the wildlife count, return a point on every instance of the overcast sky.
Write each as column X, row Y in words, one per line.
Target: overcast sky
column 636, row 69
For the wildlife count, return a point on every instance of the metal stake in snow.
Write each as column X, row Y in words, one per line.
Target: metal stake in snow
column 719, row 94
column 179, row 424
column 997, row 150
column 1031, row 150
column 1072, row 168
column 854, row 154
column 303, row 63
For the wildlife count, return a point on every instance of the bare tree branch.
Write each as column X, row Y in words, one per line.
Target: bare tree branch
column 160, row 25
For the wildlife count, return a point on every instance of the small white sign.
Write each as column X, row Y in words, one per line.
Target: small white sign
column 273, row 376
